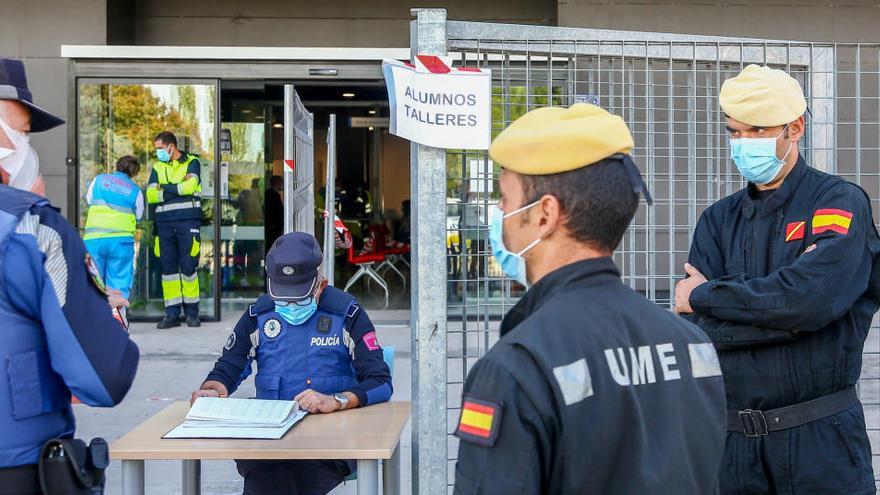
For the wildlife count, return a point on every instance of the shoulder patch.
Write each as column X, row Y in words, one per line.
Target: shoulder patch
column 95, row 274
column 831, row 220
column 795, row 231
column 230, row 341
column 480, row 420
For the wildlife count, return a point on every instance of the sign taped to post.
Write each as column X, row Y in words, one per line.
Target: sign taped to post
column 435, row 104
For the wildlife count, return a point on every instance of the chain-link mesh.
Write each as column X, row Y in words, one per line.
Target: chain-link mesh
column 667, row 91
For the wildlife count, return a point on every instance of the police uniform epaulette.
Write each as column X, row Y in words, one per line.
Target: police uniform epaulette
column 16, row 201
column 263, row 303
column 338, row 302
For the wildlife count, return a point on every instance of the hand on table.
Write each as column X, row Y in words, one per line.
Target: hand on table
column 314, row 402
column 684, row 288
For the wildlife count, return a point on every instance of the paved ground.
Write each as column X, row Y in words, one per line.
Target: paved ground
column 174, row 363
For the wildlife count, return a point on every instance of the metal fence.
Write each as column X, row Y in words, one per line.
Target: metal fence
column 299, row 164
column 666, row 88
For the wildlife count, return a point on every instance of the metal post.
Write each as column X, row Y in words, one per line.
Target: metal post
column 191, row 476
column 391, row 484
column 368, row 477
column 133, row 477
column 330, row 202
column 428, row 199
column 289, row 176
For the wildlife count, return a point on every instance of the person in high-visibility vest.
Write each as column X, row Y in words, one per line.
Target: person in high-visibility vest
column 116, row 203
column 175, row 188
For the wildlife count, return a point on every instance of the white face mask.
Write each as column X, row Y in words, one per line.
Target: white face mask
column 21, row 163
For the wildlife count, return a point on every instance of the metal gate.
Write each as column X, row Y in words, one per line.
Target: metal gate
column 666, row 88
column 299, row 164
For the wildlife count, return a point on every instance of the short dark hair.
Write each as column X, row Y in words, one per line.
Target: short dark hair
column 128, row 165
column 166, row 137
column 598, row 201
column 276, row 179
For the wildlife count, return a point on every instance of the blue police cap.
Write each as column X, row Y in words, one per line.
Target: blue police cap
column 292, row 266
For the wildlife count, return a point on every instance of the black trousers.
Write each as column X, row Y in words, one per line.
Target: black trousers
column 20, row 480
column 293, row 477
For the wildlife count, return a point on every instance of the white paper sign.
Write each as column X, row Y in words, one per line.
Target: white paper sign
column 446, row 108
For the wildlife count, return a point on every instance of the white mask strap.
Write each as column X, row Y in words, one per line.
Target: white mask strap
column 521, row 209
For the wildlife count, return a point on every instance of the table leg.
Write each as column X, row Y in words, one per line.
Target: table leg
column 391, row 474
column 368, row 477
column 192, row 477
column 133, row 481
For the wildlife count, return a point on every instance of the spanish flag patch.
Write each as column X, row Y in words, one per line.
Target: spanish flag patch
column 832, row 220
column 480, row 420
column 795, row 231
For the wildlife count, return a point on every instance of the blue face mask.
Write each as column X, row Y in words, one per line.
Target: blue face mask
column 163, row 155
column 756, row 158
column 296, row 313
column 512, row 264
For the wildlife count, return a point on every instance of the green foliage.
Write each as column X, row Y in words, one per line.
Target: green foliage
column 123, row 119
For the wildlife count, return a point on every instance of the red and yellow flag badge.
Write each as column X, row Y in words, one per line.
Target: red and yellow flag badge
column 833, row 220
column 795, row 231
column 480, row 420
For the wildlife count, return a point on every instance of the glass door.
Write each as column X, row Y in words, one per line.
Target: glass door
column 243, row 233
column 121, row 117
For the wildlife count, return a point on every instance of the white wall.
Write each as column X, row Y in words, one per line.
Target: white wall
column 34, row 31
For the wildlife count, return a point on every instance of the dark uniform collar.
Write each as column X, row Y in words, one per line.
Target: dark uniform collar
column 584, row 273
column 779, row 197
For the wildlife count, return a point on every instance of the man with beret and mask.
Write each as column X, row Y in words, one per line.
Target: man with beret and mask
column 591, row 389
column 313, row 344
column 783, row 277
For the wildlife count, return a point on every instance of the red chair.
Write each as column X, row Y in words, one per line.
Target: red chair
column 392, row 256
column 365, row 263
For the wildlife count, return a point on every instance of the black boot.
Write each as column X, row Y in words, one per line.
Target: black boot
column 168, row 322
column 193, row 321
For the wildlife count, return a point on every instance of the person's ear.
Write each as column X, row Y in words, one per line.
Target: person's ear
column 797, row 129
column 550, row 211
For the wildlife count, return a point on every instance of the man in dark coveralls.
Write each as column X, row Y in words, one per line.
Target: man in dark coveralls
column 591, row 389
column 783, row 277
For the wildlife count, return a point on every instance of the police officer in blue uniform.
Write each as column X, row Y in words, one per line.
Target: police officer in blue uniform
column 783, row 276
column 591, row 388
column 313, row 344
column 58, row 333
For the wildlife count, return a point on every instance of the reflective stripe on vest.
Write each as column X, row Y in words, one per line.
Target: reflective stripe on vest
column 196, row 203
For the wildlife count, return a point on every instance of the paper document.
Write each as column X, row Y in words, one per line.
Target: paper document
column 212, row 417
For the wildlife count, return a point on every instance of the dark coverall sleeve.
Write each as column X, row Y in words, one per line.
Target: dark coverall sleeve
column 516, row 462
column 51, row 284
column 368, row 361
column 818, row 288
column 233, row 366
column 706, row 256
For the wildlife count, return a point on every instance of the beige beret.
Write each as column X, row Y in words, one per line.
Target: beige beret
column 551, row 140
column 763, row 97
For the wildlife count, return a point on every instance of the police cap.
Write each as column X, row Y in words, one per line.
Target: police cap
column 292, row 266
